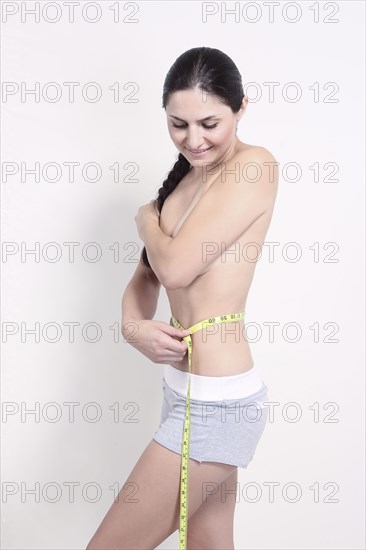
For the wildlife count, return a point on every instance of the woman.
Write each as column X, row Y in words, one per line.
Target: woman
column 202, row 237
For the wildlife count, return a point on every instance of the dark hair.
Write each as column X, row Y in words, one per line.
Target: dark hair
column 213, row 72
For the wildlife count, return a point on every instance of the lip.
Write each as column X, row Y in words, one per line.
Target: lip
column 200, row 153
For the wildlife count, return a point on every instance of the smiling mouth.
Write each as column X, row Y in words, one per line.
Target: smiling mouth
column 199, row 150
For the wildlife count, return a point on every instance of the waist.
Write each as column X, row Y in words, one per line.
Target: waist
column 215, row 320
column 217, row 388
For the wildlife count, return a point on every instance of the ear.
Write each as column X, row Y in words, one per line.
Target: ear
column 242, row 109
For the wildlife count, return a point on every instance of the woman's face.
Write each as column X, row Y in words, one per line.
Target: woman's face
column 186, row 111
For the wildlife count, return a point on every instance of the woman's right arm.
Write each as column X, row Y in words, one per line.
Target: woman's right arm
column 140, row 298
column 159, row 341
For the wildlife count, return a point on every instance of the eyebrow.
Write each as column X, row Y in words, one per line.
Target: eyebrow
column 202, row 119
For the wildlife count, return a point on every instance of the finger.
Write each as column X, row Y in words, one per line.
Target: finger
column 172, row 344
column 173, row 331
column 175, row 346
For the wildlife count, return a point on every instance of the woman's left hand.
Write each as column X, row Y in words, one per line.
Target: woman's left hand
column 145, row 212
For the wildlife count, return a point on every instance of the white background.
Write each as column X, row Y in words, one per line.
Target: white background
column 319, row 296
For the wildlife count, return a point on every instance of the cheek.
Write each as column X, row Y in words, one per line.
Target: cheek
column 175, row 136
column 222, row 135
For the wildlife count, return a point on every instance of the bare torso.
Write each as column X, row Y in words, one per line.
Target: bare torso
column 222, row 288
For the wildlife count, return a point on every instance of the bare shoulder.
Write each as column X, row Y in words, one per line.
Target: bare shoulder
column 258, row 166
column 254, row 153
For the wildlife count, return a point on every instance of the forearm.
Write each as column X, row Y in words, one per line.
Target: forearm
column 140, row 299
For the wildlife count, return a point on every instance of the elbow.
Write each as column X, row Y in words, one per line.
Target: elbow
column 173, row 271
column 173, row 283
column 177, row 279
column 176, row 274
column 175, row 286
column 174, row 279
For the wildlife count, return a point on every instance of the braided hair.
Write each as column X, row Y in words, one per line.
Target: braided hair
column 213, row 72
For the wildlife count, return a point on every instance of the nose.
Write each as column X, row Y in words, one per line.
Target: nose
column 194, row 139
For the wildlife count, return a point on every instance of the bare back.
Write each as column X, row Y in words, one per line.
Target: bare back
column 222, row 288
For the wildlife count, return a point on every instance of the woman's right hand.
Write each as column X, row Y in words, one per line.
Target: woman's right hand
column 158, row 341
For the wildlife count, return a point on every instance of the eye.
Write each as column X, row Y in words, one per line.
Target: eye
column 184, row 126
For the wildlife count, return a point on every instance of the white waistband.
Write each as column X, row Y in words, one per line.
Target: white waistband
column 208, row 388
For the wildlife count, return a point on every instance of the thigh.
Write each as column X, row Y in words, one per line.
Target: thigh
column 212, row 525
column 146, row 511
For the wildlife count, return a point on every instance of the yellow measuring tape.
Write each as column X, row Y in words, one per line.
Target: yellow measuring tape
column 184, row 472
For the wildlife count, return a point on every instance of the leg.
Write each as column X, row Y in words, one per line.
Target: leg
column 147, row 509
column 212, row 525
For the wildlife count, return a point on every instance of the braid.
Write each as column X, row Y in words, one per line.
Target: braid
column 176, row 174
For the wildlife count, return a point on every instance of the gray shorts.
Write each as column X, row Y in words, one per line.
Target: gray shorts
column 224, row 430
